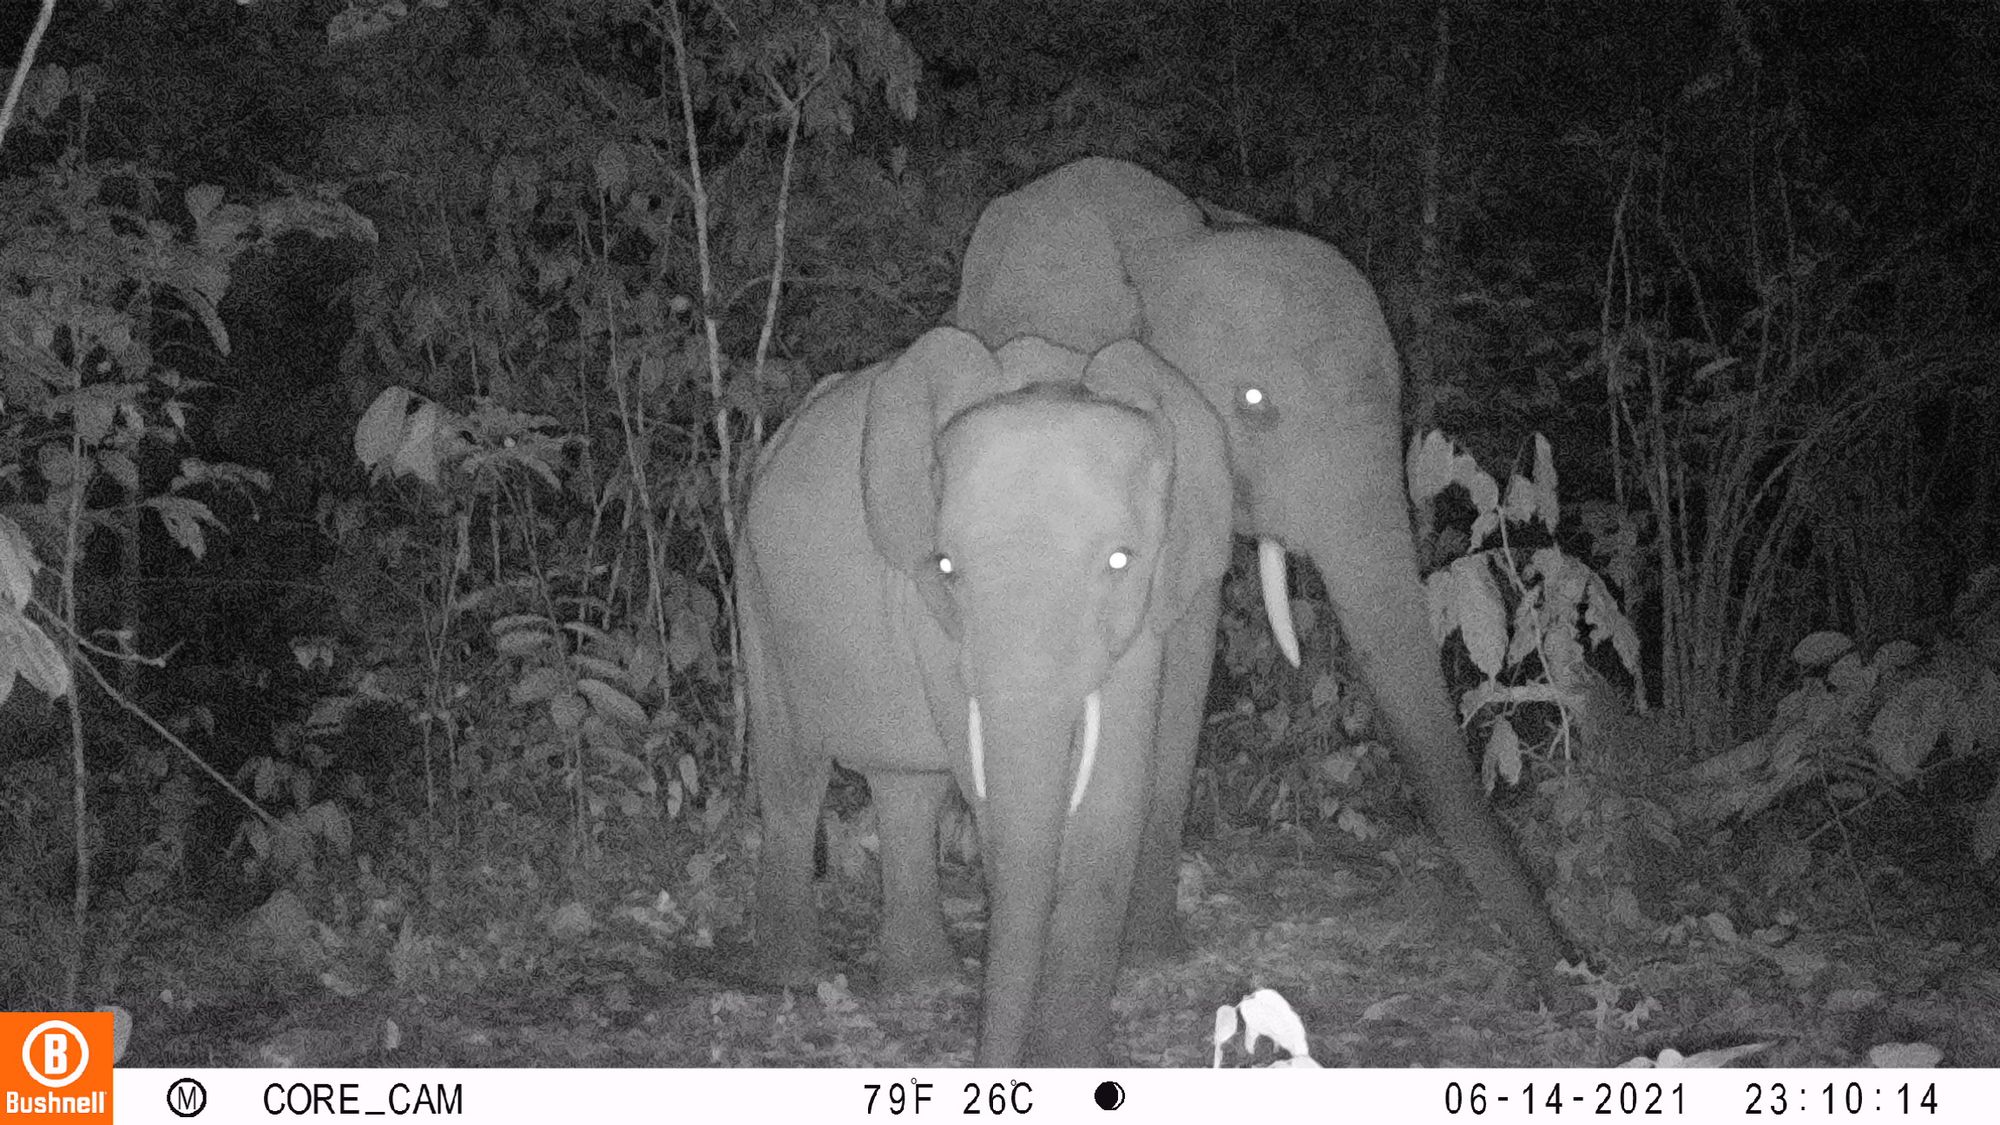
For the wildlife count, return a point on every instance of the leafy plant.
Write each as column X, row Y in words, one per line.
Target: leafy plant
column 1528, row 616
column 1284, row 748
column 638, row 237
column 1859, row 727
column 284, row 844
column 94, row 275
column 1292, row 749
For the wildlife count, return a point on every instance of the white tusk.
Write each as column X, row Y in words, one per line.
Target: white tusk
column 1277, row 597
column 976, row 741
column 1091, row 706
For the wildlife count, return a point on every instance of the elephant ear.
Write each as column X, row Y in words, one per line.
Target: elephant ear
column 1050, row 259
column 1051, row 271
column 909, row 401
column 1195, row 548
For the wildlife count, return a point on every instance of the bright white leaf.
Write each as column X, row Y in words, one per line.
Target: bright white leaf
column 1546, row 504
column 1267, row 1016
column 1226, row 1026
column 1481, row 613
column 1904, row 1056
column 418, row 454
column 1503, row 755
column 380, row 432
column 1519, row 506
column 18, row 564
column 1428, row 466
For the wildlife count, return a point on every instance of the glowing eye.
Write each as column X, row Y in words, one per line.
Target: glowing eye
column 1119, row 560
column 1255, row 410
column 945, row 567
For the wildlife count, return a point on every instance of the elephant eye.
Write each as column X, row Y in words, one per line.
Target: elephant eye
column 1119, row 559
column 1255, row 407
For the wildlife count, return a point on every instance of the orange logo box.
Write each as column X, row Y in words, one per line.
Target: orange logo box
column 55, row 1067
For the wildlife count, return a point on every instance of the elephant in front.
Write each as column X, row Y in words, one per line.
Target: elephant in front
column 966, row 565
column 1287, row 342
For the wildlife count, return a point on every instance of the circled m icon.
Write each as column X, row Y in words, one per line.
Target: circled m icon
column 187, row 1097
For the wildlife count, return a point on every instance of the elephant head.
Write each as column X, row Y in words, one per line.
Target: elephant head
column 1287, row 342
column 1058, row 531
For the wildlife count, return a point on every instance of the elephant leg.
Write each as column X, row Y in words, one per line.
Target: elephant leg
column 791, row 778
column 789, row 791
column 914, row 946
column 1153, row 925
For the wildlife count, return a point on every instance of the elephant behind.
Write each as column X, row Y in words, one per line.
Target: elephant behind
column 966, row 565
column 1287, row 342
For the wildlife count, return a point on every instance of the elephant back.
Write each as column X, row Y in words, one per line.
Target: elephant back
column 810, row 465
column 1048, row 259
column 825, row 388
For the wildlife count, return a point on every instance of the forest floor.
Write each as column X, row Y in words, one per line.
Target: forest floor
column 1373, row 946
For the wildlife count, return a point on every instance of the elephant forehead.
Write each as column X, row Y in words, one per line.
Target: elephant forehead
column 1046, row 453
column 1268, row 285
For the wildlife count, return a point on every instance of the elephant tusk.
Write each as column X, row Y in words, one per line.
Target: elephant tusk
column 1277, row 597
column 1091, row 708
column 976, row 742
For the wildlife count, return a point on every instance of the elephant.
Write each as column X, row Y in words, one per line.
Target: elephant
column 1287, row 341
column 965, row 565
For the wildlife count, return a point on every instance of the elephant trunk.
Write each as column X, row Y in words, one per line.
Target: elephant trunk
column 1029, row 752
column 1086, row 760
column 1369, row 566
